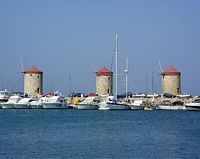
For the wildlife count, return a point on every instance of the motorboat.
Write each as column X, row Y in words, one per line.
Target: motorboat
column 53, row 101
column 23, row 103
column 91, row 102
column 194, row 105
column 13, row 99
column 35, row 104
column 138, row 105
column 168, row 105
column 4, row 95
column 110, row 103
column 148, row 107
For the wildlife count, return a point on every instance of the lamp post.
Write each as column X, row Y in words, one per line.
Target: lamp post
column 70, row 84
column 146, row 81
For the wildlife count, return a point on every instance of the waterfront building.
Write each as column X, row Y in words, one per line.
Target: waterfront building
column 171, row 81
column 104, row 81
column 33, row 81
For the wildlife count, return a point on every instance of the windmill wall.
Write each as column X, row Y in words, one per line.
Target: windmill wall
column 33, row 82
column 171, row 84
column 171, row 81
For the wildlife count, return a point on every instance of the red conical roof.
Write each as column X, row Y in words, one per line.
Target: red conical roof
column 33, row 70
column 171, row 71
column 104, row 72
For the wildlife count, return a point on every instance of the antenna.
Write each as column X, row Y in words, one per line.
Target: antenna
column 22, row 67
column 94, row 69
column 161, row 70
column 70, row 84
column 126, row 73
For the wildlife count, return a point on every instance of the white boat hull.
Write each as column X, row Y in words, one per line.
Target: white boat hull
column 177, row 107
column 32, row 106
column 87, row 106
column 21, row 106
column 195, row 108
column 7, row 106
column 54, row 106
column 110, row 106
column 137, row 107
column 194, row 105
column 104, row 108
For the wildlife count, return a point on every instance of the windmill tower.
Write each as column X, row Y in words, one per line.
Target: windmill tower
column 171, row 81
column 104, row 81
column 33, row 81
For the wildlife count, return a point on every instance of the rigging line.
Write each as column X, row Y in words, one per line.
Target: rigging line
column 16, row 83
column 113, row 57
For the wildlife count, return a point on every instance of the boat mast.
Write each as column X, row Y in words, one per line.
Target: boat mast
column 116, row 60
column 126, row 72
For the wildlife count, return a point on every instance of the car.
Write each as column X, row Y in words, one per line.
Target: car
column 151, row 95
column 178, row 102
column 184, row 95
column 168, row 95
column 139, row 95
column 77, row 95
column 129, row 94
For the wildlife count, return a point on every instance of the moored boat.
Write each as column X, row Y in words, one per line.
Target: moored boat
column 138, row 105
column 55, row 101
column 194, row 105
column 168, row 105
column 110, row 103
column 23, row 103
column 36, row 104
column 148, row 107
column 4, row 96
column 89, row 103
column 13, row 99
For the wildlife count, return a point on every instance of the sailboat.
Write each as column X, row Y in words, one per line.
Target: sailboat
column 110, row 102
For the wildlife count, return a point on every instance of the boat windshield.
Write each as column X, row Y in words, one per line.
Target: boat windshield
column 196, row 101
column 166, row 103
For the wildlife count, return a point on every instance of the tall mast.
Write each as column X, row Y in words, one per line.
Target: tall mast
column 126, row 72
column 116, row 67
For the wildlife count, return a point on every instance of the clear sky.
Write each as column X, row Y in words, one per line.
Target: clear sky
column 76, row 38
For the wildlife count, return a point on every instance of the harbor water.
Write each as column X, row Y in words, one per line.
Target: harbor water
column 99, row 134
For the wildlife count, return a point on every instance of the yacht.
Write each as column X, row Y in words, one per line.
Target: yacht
column 23, row 103
column 13, row 99
column 36, row 104
column 194, row 105
column 89, row 103
column 110, row 103
column 168, row 105
column 4, row 95
column 55, row 101
column 138, row 104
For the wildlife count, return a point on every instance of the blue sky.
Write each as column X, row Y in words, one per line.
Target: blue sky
column 76, row 37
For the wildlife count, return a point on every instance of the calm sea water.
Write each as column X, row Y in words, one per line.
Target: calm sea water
column 99, row 134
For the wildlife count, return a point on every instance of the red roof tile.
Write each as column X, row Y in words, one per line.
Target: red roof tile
column 33, row 70
column 104, row 72
column 171, row 71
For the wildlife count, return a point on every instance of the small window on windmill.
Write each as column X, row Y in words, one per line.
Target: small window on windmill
column 30, row 74
column 38, row 77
